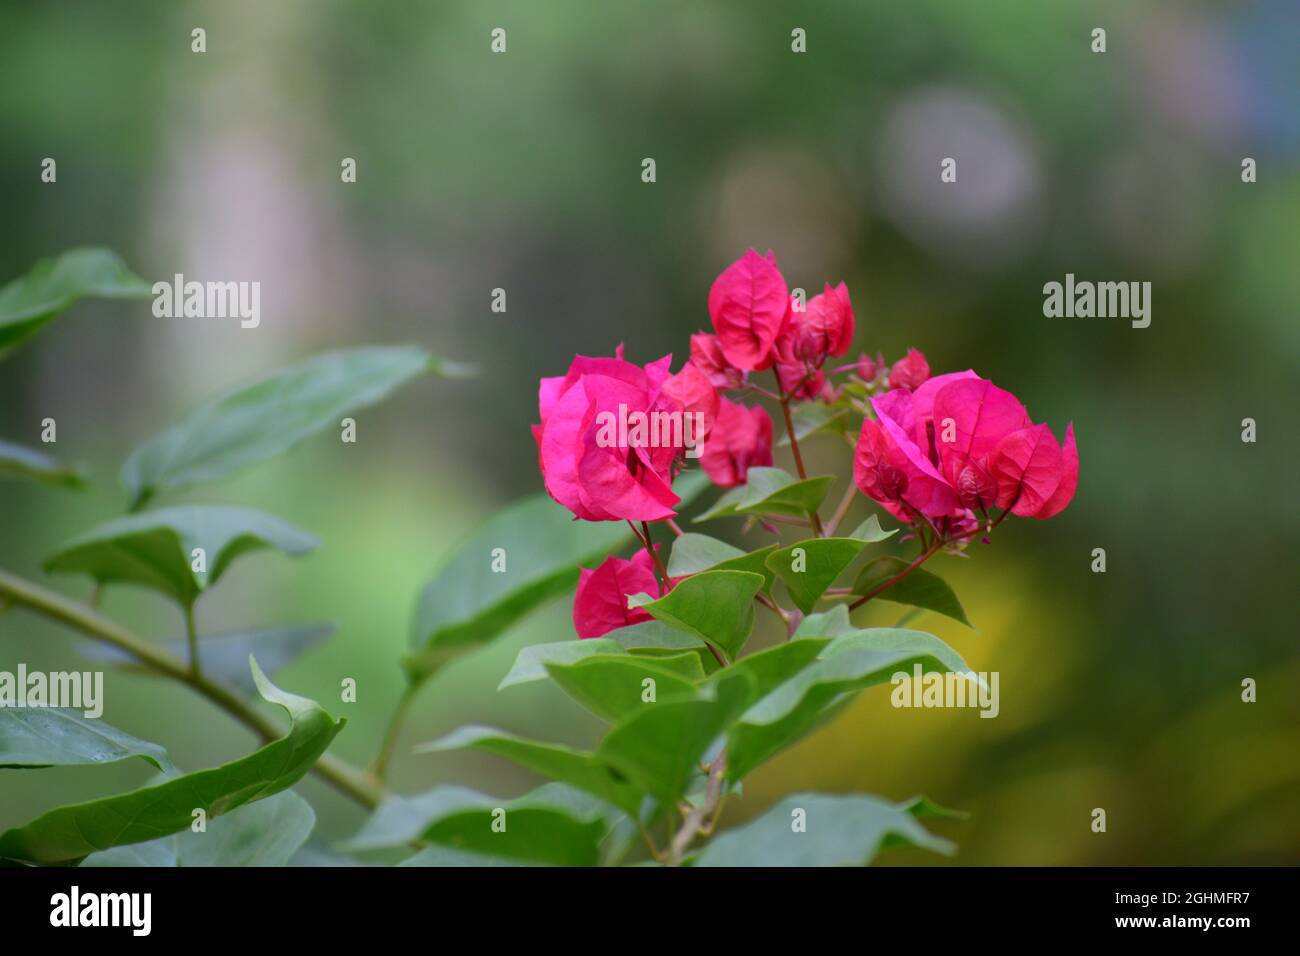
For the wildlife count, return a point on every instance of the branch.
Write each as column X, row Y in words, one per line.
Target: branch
column 360, row 786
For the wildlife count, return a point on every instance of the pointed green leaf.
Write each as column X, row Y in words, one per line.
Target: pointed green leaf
column 871, row 532
column 255, row 422
column 844, row 830
column 774, row 666
column 59, row 737
column 54, row 285
column 613, row 686
column 266, row 833
column 68, row 834
column 812, row 417
column 19, row 462
column 693, row 553
column 660, row 748
column 553, row 824
column 155, row 549
column 771, row 491
column 468, row 603
column 699, row 552
column 795, row 707
column 810, row 567
column 921, row 588
column 664, row 644
column 717, row 606
column 560, row 763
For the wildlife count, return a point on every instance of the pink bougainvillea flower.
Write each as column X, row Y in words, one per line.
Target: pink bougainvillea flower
column 799, row 381
column 741, row 439
column 603, row 480
column 868, row 368
column 706, row 355
column 970, row 417
column 892, row 469
column 911, row 371
column 923, row 409
column 749, row 304
column 1036, row 477
column 823, row 327
column 600, row 604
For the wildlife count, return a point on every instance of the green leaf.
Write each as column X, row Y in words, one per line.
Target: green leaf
column 810, row 567
column 560, row 763
column 771, row 491
column 468, row 604
column 225, row 656
column 660, row 748
column 921, row 807
column 258, row 421
column 653, row 638
column 67, row 834
column 699, row 552
column 773, row 666
column 60, row 737
column 921, row 588
column 54, row 285
column 812, row 417
column 553, row 824
column 266, row 833
column 19, row 462
column 838, row 831
column 871, row 532
column 155, row 549
column 693, row 553
column 611, row 686
column 717, row 606
column 441, row 856
column 848, row 664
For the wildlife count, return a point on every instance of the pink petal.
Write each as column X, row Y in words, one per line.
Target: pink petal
column 982, row 415
column 1027, row 467
column 748, row 304
column 1064, row 493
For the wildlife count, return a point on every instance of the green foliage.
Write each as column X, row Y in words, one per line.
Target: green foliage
column 258, row 421
column 921, row 588
column 540, row 547
column 19, row 462
column 771, row 491
column 815, row 829
column 266, row 833
column 36, row 737
column 70, row 833
column 717, row 606
column 54, row 285
column 553, row 824
column 810, row 567
column 156, row 549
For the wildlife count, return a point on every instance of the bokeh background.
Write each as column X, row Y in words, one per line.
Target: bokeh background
column 522, row 171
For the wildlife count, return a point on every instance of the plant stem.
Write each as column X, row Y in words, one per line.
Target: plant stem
column 654, row 556
column 813, row 516
column 919, row 560
column 355, row 783
column 192, row 638
column 380, row 767
column 700, row 819
column 842, row 508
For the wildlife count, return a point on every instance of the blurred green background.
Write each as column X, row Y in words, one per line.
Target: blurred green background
column 522, row 171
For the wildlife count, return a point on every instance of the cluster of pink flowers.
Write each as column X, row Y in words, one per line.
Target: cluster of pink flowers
column 938, row 451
